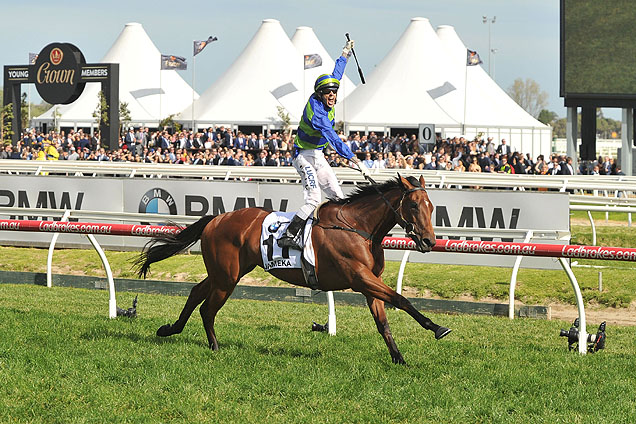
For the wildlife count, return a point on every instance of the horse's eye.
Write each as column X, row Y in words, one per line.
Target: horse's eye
column 413, row 205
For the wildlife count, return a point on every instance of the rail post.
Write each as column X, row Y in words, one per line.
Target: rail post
column 513, row 279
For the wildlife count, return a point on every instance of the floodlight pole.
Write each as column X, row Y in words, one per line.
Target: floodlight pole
column 489, row 21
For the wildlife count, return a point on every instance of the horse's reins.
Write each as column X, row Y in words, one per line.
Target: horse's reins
column 408, row 227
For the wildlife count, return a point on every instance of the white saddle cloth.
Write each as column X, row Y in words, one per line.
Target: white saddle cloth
column 274, row 227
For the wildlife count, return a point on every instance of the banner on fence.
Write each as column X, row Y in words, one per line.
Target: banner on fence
column 453, row 208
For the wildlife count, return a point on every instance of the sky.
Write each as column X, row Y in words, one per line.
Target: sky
column 525, row 33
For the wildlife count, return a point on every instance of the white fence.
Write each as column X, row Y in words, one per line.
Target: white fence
column 440, row 179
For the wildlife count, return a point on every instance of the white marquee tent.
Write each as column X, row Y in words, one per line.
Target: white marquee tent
column 268, row 73
column 306, row 42
column 488, row 108
column 151, row 94
column 396, row 92
column 422, row 81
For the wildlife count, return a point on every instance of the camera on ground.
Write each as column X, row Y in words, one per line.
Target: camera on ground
column 319, row 327
column 595, row 342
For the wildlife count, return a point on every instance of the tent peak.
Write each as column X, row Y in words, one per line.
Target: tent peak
column 270, row 21
column 131, row 24
column 419, row 18
column 304, row 28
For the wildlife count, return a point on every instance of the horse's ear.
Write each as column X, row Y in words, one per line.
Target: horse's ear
column 422, row 181
column 406, row 185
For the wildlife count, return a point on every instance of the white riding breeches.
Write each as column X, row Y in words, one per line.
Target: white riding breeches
column 316, row 174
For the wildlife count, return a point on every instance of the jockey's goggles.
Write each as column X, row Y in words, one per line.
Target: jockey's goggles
column 326, row 91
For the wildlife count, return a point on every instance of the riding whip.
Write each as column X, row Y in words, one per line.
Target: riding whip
column 356, row 58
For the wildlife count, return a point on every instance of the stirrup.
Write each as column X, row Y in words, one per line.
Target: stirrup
column 290, row 241
column 293, row 236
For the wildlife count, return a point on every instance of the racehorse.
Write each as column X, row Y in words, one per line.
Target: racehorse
column 348, row 252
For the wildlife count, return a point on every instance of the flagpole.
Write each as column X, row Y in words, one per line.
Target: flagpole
column 194, row 65
column 196, row 50
column 465, row 94
column 160, row 95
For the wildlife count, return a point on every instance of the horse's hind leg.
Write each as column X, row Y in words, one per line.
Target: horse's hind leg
column 208, row 312
column 379, row 315
column 197, row 295
column 218, row 295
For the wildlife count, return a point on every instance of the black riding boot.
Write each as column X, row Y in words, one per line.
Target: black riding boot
column 293, row 235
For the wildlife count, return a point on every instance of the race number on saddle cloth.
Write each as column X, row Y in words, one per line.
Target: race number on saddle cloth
column 273, row 228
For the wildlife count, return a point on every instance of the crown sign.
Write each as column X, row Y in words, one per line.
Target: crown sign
column 56, row 56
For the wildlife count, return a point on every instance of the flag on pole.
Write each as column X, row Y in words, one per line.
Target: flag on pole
column 32, row 58
column 200, row 45
column 472, row 58
column 173, row 62
column 312, row 61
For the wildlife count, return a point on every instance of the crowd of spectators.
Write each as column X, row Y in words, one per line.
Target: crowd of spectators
column 224, row 146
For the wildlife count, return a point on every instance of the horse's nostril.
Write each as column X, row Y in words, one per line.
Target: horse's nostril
column 429, row 243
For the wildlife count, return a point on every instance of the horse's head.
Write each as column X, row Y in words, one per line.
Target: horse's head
column 416, row 211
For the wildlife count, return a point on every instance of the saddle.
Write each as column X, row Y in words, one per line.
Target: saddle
column 273, row 256
column 309, row 270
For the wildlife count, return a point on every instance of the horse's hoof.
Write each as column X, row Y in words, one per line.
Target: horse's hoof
column 164, row 331
column 442, row 332
column 398, row 360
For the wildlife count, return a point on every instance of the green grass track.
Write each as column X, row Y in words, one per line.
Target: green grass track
column 62, row 361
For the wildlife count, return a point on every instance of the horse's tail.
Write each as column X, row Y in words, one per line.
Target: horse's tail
column 163, row 246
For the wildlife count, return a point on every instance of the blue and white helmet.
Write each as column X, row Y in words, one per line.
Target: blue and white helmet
column 326, row 81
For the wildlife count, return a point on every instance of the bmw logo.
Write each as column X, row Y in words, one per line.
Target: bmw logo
column 273, row 227
column 157, row 200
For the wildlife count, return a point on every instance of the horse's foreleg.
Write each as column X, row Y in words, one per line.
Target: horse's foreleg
column 197, row 295
column 379, row 315
column 373, row 286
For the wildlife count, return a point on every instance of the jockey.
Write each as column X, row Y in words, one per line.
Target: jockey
column 315, row 131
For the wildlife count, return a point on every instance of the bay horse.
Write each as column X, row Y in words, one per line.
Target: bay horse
column 348, row 252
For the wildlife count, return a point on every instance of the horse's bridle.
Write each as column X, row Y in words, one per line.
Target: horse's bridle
column 408, row 227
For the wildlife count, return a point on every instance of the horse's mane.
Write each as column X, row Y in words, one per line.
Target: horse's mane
column 372, row 189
